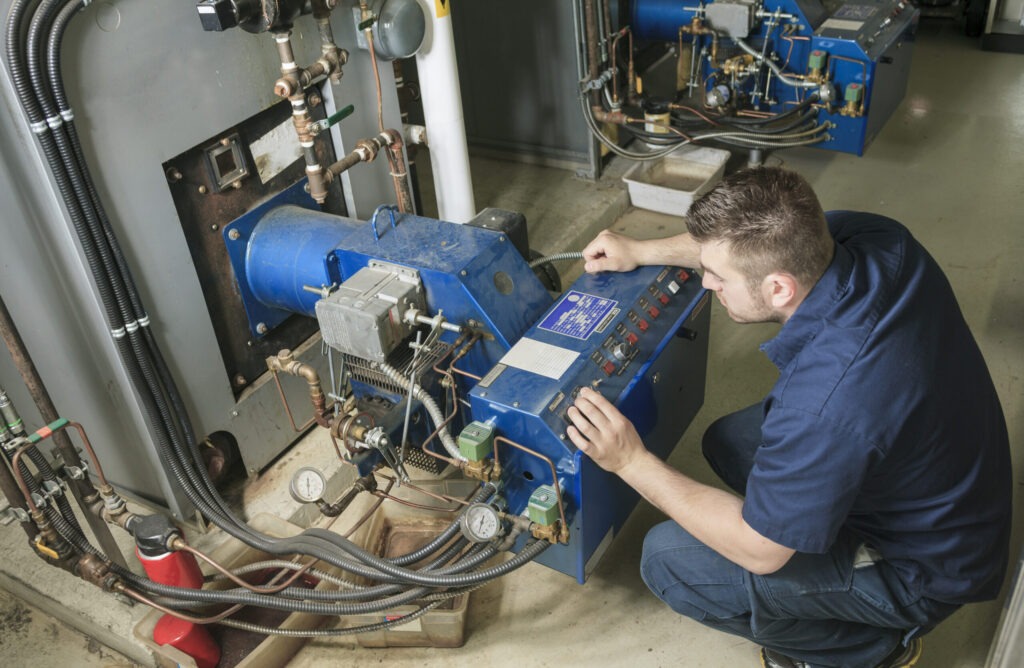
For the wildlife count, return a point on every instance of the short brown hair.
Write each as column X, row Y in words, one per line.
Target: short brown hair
column 772, row 220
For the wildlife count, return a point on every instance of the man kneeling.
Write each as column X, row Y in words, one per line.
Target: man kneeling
column 873, row 480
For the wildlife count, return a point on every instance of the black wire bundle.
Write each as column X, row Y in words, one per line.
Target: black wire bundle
column 34, row 32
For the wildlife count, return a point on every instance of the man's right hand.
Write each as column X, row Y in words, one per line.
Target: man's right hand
column 610, row 252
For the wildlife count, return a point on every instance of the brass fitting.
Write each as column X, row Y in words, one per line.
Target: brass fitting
column 737, row 64
column 285, row 362
column 552, row 533
column 94, row 570
column 480, row 469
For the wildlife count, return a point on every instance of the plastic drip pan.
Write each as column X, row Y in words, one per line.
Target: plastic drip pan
column 669, row 185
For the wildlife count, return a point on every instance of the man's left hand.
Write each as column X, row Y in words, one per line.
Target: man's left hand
column 603, row 433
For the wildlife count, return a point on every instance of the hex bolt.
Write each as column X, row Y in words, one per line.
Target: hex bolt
column 261, row 328
column 234, row 235
column 314, row 100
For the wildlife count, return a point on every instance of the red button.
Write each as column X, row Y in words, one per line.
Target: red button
column 609, row 368
column 683, row 275
column 632, row 338
column 642, row 325
column 663, row 298
column 654, row 311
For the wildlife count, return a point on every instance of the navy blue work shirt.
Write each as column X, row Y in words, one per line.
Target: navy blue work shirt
column 885, row 421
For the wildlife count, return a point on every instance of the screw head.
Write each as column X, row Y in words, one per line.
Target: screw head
column 173, row 175
column 234, row 235
column 215, row 227
column 462, row 273
column 261, row 328
column 203, row 190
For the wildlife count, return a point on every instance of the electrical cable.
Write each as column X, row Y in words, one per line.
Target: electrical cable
column 556, row 257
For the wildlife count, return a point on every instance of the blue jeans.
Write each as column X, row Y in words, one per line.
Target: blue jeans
column 819, row 608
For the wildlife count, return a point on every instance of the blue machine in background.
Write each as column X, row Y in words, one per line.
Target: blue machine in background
column 748, row 57
column 401, row 299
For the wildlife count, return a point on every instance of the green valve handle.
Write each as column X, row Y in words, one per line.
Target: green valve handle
column 319, row 126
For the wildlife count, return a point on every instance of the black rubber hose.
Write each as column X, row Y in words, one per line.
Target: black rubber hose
column 48, row 474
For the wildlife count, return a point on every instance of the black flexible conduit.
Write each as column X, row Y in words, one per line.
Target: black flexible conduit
column 34, row 33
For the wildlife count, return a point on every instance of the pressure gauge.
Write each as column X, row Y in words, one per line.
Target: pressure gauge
column 480, row 523
column 308, row 485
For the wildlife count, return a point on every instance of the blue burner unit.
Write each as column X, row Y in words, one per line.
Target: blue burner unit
column 771, row 55
column 640, row 338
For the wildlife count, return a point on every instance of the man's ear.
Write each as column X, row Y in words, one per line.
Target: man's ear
column 782, row 291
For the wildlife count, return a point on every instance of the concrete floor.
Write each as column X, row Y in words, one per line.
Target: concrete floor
column 948, row 164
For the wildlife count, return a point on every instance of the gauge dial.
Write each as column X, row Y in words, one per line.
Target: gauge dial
column 480, row 523
column 308, row 485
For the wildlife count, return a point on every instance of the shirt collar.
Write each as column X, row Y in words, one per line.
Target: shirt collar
column 807, row 320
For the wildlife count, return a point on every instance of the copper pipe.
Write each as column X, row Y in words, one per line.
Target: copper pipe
column 286, row 363
column 400, row 178
column 551, row 465
column 182, row 546
column 288, row 408
column 89, row 449
column 864, row 67
column 426, row 492
column 122, row 588
column 682, row 107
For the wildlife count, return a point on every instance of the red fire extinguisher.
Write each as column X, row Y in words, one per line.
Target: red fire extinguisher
column 178, row 569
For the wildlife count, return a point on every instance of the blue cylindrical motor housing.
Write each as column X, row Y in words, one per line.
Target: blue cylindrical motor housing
column 660, row 19
column 290, row 248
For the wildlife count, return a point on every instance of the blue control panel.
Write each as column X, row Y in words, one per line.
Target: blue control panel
column 639, row 338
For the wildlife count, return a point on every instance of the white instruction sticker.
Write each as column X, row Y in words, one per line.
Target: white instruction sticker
column 275, row 150
column 540, row 358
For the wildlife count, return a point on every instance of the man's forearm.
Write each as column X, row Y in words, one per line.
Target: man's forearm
column 713, row 516
column 678, row 251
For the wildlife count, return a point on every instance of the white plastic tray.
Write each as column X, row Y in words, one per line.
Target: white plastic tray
column 670, row 185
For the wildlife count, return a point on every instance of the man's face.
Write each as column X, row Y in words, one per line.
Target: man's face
column 742, row 302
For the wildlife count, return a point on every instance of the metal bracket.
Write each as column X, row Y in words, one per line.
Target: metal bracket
column 14, row 514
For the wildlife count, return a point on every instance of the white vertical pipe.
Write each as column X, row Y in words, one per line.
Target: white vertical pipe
column 442, row 112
